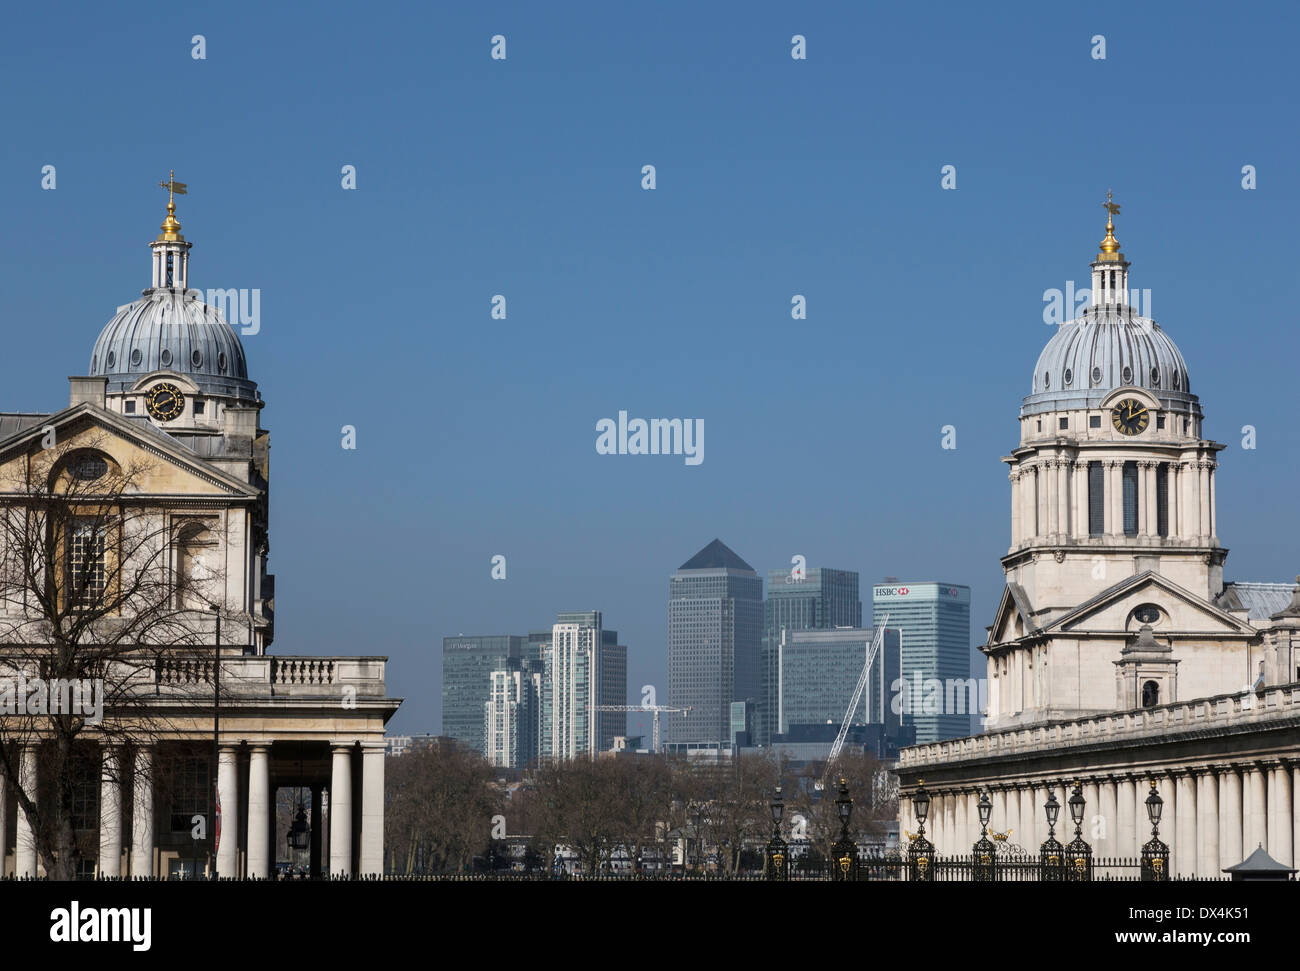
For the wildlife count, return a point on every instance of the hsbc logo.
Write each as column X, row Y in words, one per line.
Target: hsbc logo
column 892, row 591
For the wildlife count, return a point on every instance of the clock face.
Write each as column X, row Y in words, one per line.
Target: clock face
column 1130, row 417
column 165, row 401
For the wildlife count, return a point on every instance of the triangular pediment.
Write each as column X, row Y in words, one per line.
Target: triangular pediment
column 1014, row 618
column 1112, row 609
column 166, row 467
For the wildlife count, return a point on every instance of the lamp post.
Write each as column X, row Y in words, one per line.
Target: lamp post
column 778, row 857
column 845, row 851
column 697, row 814
column 1155, row 853
column 1051, row 855
column 214, row 833
column 920, row 851
column 985, row 853
column 1078, row 853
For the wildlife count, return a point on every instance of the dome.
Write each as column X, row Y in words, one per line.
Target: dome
column 171, row 330
column 1105, row 349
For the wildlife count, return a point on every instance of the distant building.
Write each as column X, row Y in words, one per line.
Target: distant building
column 467, row 666
column 715, row 611
column 395, row 745
column 513, row 715
column 818, row 670
column 585, row 667
column 742, row 719
column 817, row 599
column 934, row 620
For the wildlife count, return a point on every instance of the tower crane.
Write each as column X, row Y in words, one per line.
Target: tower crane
column 877, row 640
column 654, row 708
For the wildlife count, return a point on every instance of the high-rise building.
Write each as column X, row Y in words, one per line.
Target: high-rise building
column 512, row 714
column 585, row 667
column 818, row 670
column 812, row 599
column 934, row 621
column 715, row 618
column 467, row 666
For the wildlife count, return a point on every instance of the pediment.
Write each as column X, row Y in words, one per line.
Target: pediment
column 165, row 466
column 1014, row 618
column 1112, row 610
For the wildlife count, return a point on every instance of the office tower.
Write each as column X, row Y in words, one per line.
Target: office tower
column 934, row 621
column 818, row 670
column 467, row 666
column 585, row 667
column 715, row 617
column 513, row 715
column 817, row 599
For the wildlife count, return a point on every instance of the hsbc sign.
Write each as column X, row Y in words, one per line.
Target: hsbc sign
column 892, row 591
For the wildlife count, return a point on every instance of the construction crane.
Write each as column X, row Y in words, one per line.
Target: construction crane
column 876, row 641
column 654, row 708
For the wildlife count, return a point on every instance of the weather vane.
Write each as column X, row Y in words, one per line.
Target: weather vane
column 1111, row 207
column 173, row 187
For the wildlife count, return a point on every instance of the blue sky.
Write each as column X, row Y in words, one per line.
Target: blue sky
column 775, row 177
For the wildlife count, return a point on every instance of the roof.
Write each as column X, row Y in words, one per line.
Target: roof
column 12, row 423
column 716, row 556
column 1258, row 862
column 1260, row 600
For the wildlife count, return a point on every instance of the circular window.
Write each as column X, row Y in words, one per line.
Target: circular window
column 87, row 467
column 136, row 357
column 1096, row 375
column 1155, row 377
column 221, row 362
column 1069, row 376
column 1147, row 614
column 1127, row 374
column 196, row 358
column 165, row 357
column 112, row 358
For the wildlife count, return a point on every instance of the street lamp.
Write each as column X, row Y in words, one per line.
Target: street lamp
column 985, row 853
column 1155, row 853
column 920, row 851
column 778, row 858
column 845, row 851
column 1078, row 852
column 214, row 831
column 1051, row 855
column 697, row 813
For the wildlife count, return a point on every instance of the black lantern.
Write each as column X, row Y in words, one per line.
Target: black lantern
column 300, row 832
column 845, row 852
column 1078, row 854
column 1155, row 853
column 920, row 851
column 778, row 856
column 1051, row 855
column 985, row 853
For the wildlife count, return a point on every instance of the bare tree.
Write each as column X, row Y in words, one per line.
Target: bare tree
column 440, row 801
column 100, row 585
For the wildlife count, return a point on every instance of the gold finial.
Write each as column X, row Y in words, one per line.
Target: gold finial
column 1110, row 245
column 171, row 228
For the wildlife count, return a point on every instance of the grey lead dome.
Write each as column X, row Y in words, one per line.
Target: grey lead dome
column 171, row 330
column 1105, row 349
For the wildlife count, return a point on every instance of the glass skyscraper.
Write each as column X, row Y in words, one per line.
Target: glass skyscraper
column 467, row 666
column 818, row 600
column 585, row 667
column 715, row 619
column 818, row 670
column 934, row 621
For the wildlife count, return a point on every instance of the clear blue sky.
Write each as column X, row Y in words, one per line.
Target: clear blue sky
column 775, row 177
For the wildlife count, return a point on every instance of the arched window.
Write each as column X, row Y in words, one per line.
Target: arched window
column 193, row 540
column 1150, row 694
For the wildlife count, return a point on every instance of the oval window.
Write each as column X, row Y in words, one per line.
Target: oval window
column 196, row 358
column 221, row 362
column 1096, row 375
column 1147, row 614
column 1047, row 379
column 111, row 358
column 1069, row 376
column 1155, row 377
column 165, row 357
column 1175, row 380
column 136, row 357
column 1127, row 374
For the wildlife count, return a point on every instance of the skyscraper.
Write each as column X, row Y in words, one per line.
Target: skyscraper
column 818, row 670
column 816, row 599
column 934, row 621
column 715, row 611
column 513, row 715
column 467, row 666
column 585, row 667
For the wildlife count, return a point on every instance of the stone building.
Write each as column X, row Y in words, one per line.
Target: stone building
column 1118, row 653
column 169, row 414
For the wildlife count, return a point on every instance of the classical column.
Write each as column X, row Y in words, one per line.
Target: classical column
column 1295, row 813
column 1207, row 823
column 1230, row 816
column 1165, row 785
column 110, row 813
column 1143, row 507
column 1171, row 489
column 1126, row 818
column 314, row 862
column 1091, row 811
column 1109, row 799
column 228, row 789
column 1114, row 498
column 1078, row 492
column 1063, row 495
column 998, row 818
column 25, row 836
column 372, row 806
column 1025, row 481
column 1152, row 502
column 1204, row 480
column 963, row 823
column 341, row 810
column 4, row 823
column 1013, row 811
column 1255, row 825
column 1028, row 820
column 1211, row 505
column 142, row 813
column 1280, row 822
column 1187, row 847
column 259, row 809
column 1014, row 478
column 1040, row 488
